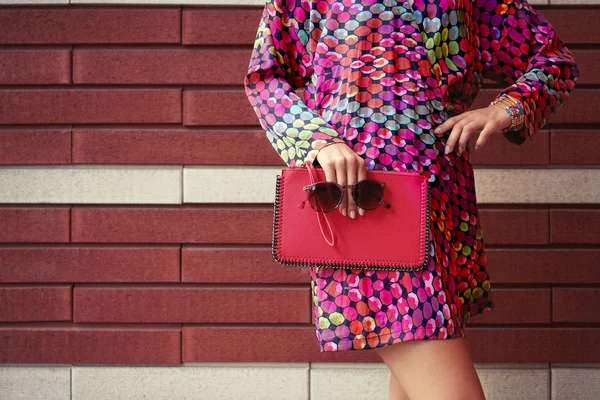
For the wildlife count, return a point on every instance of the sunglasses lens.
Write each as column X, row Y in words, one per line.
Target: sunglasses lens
column 368, row 194
column 324, row 197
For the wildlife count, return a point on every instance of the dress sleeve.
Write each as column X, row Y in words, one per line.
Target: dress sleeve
column 518, row 45
column 279, row 65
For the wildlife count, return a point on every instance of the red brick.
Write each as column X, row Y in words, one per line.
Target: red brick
column 22, row 66
column 550, row 266
column 211, row 107
column 72, row 106
column 517, row 306
column 254, row 344
column 191, row 304
column 34, row 224
column 223, row 224
column 89, row 24
column 499, row 151
column 24, row 146
column 96, row 344
column 575, row 226
column 89, row 264
column 575, row 147
column 514, row 226
column 566, row 21
column 299, row 344
column 177, row 65
column 35, row 303
column 576, row 305
column 173, row 146
column 200, row 24
column 533, row 345
column 587, row 61
column 237, row 265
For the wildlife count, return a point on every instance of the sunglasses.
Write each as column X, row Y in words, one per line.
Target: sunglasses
column 326, row 196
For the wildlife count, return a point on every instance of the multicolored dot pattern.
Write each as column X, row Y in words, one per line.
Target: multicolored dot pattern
column 379, row 75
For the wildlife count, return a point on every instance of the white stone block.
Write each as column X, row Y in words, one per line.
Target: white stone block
column 35, row 383
column 81, row 184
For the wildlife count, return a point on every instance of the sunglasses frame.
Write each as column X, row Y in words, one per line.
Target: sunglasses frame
column 309, row 188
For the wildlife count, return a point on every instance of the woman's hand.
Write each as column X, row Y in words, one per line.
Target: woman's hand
column 487, row 120
column 342, row 165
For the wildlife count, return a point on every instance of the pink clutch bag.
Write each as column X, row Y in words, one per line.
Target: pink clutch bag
column 394, row 238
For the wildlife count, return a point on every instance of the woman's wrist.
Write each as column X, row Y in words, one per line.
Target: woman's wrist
column 334, row 141
column 514, row 108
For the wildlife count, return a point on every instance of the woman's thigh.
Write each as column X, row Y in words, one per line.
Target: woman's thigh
column 434, row 369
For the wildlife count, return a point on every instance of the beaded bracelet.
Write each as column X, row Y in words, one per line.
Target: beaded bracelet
column 515, row 110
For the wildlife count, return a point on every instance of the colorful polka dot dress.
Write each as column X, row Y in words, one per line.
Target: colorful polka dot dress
column 379, row 76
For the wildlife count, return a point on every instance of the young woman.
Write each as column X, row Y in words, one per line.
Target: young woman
column 388, row 85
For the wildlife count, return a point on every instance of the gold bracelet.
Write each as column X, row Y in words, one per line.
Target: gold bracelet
column 514, row 108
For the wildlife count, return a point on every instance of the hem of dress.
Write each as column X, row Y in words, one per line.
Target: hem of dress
column 458, row 332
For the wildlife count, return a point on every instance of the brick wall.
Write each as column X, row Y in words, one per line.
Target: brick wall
column 136, row 191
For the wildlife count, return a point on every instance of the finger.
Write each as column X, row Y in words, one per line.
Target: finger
column 361, row 174
column 444, row 126
column 447, row 124
column 340, row 171
column 452, row 141
column 466, row 132
column 441, row 128
column 352, row 166
column 485, row 133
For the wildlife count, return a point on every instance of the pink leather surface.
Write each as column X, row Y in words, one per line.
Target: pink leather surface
column 383, row 236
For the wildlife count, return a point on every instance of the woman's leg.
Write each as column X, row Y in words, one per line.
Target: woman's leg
column 439, row 369
column 396, row 390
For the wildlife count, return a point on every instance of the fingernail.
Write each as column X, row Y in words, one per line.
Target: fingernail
column 436, row 130
column 352, row 214
column 361, row 211
column 459, row 150
column 344, row 212
column 448, row 149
